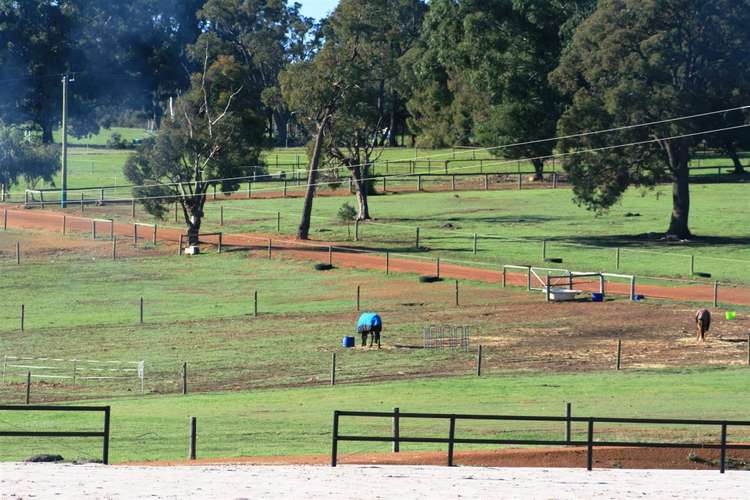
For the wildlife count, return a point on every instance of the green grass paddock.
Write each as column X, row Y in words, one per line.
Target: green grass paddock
column 298, row 421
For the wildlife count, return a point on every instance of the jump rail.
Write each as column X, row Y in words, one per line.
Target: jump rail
column 589, row 443
column 104, row 434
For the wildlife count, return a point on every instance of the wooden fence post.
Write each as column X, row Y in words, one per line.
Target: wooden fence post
column 278, row 222
column 28, row 388
column 456, row 293
column 179, row 249
column 18, row 252
column 64, row 223
column 437, row 267
column 387, row 262
column 93, row 229
column 175, row 212
column 81, row 202
column 132, row 208
column 141, row 311
column 716, row 294
column 632, row 287
column 193, row 436
column 619, row 353
column 184, row 378
column 568, row 415
column 417, row 241
column 255, row 303
column 114, row 248
column 358, row 297
column 356, row 230
column 396, row 431
column 504, row 277
column 270, row 246
column 544, row 249
column 475, row 243
column 451, row 438
column 23, row 316
column 5, row 219
column 333, row 368
column 220, row 242
column 479, row 361
column 692, row 265
column 221, row 215
column 617, row 258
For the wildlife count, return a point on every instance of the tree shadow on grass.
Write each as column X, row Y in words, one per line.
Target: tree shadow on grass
column 653, row 240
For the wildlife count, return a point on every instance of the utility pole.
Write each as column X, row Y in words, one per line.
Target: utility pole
column 64, row 193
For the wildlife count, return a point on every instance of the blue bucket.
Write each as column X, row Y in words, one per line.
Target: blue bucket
column 348, row 342
column 597, row 297
column 638, row 297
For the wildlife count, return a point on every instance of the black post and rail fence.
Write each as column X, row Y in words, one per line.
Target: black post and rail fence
column 104, row 433
column 589, row 443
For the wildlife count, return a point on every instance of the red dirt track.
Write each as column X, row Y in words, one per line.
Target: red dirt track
column 360, row 259
column 604, row 457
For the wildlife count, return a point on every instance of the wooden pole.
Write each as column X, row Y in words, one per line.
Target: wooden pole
column 716, row 294
column 28, row 388
column 456, row 293
column 221, row 246
column 193, row 435
column 479, row 361
column 396, row 431
column 184, row 378
column 358, row 297
column 475, row 244
column 504, row 276
column 278, row 222
column 568, row 415
column 114, row 248
column 132, row 209
column 93, row 229
column 141, row 310
column 179, row 249
column 153, row 235
column 617, row 258
column 437, row 267
column 175, row 212
column 547, row 288
column 18, row 252
column 692, row 265
column 632, row 287
column 5, row 219
column 387, row 262
column 221, row 215
column 81, row 202
column 356, row 230
column 544, row 249
column 270, row 247
column 417, row 242
column 23, row 316
column 330, row 256
column 619, row 353
column 333, row 368
column 255, row 303
column 64, row 223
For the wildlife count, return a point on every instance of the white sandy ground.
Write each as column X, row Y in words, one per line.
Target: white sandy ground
column 360, row 482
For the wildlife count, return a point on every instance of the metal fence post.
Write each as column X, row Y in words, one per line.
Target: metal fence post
column 335, row 438
column 105, row 444
column 590, row 445
column 193, row 436
column 451, row 438
column 568, row 414
column 723, row 457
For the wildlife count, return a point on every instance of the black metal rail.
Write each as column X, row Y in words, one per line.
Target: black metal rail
column 589, row 443
column 104, row 434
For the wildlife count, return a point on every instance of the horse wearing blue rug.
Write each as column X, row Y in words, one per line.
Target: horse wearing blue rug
column 370, row 323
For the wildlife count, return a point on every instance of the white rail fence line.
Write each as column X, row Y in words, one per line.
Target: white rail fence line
column 74, row 369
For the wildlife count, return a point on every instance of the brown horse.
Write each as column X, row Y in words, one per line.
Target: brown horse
column 702, row 324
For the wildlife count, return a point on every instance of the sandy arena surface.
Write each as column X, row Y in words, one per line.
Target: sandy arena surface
column 18, row 480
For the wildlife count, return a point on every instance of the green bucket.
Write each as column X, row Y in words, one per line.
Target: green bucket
column 731, row 315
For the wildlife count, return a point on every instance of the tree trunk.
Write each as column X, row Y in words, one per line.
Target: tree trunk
column 47, row 133
column 194, row 229
column 679, row 154
column 303, row 232
column 363, row 210
column 732, row 152
column 538, row 169
column 282, row 131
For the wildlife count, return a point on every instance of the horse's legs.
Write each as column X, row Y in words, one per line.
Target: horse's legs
column 364, row 339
